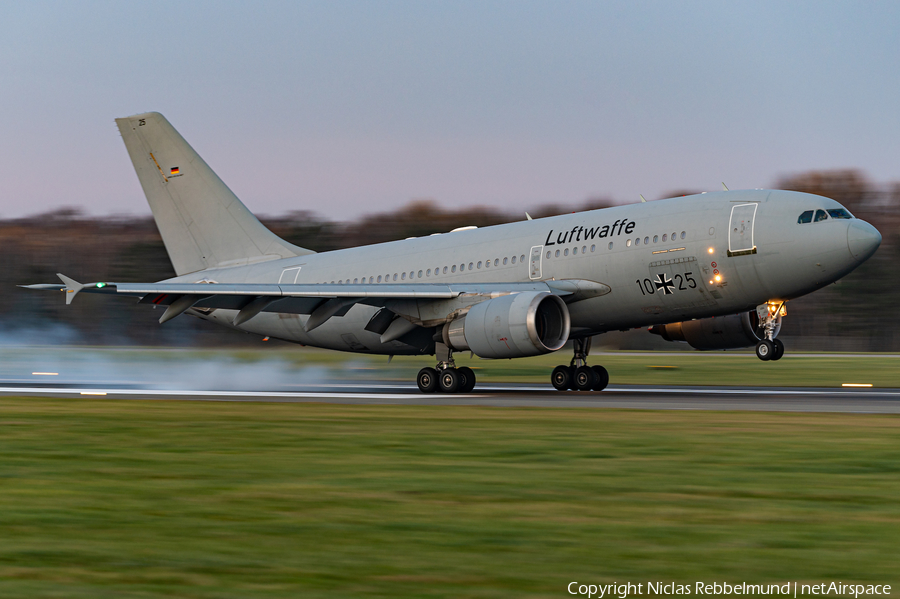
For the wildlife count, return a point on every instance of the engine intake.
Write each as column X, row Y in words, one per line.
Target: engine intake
column 511, row 326
column 719, row 332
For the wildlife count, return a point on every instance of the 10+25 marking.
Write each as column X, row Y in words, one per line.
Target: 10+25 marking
column 666, row 284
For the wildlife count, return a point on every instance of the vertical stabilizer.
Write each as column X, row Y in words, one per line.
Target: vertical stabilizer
column 202, row 222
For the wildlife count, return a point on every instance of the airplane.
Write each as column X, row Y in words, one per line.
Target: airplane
column 714, row 270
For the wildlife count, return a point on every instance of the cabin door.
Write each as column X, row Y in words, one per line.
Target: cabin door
column 289, row 276
column 740, row 230
column 534, row 271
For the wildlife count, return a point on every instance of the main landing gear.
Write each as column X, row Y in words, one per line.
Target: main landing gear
column 578, row 376
column 446, row 377
column 770, row 315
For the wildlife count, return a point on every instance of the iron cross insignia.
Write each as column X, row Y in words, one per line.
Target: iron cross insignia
column 664, row 283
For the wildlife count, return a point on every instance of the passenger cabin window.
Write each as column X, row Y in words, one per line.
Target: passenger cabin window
column 820, row 215
column 806, row 217
column 839, row 213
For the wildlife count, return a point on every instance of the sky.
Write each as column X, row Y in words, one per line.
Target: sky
column 347, row 108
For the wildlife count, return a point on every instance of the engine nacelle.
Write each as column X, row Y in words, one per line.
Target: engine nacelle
column 511, row 326
column 719, row 332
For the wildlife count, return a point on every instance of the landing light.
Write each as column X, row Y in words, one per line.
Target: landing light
column 718, row 278
column 710, row 250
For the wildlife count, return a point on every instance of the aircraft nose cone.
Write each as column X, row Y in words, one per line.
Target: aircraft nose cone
column 863, row 239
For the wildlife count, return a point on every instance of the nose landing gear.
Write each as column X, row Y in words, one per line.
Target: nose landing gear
column 578, row 376
column 770, row 315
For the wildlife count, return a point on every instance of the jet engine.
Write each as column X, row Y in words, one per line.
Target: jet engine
column 511, row 326
column 719, row 332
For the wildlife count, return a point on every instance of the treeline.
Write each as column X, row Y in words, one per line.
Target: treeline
column 858, row 314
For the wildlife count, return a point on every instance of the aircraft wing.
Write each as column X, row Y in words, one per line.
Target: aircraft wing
column 319, row 300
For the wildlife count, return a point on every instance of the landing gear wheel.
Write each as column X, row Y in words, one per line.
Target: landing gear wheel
column 467, row 379
column 585, row 377
column 602, row 378
column 427, row 380
column 765, row 349
column 779, row 349
column 561, row 378
column 449, row 380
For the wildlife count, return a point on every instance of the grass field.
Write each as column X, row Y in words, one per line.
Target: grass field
column 170, row 499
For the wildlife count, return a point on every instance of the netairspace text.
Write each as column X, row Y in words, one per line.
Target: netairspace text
column 789, row 589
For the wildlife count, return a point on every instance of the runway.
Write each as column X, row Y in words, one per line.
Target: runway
column 757, row 399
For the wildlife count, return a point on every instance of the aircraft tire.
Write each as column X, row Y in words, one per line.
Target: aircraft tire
column 602, row 378
column 467, row 379
column 585, row 378
column 449, row 380
column 427, row 380
column 779, row 349
column 561, row 378
column 765, row 349
column 572, row 385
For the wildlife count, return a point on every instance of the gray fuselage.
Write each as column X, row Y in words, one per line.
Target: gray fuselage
column 660, row 260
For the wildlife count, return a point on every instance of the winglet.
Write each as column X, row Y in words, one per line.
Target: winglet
column 642, row 198
column 725, row 187
column 72, row 287
column 528, row 216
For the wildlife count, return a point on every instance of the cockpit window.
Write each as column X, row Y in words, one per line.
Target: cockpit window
column 839, row 213
column 820, row 215
column 806, row 217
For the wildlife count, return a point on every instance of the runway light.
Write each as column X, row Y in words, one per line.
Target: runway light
column 856, row 385
column 45, row 373
column 93, row 392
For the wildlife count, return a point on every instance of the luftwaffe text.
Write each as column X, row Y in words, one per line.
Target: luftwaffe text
column 586, row 234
